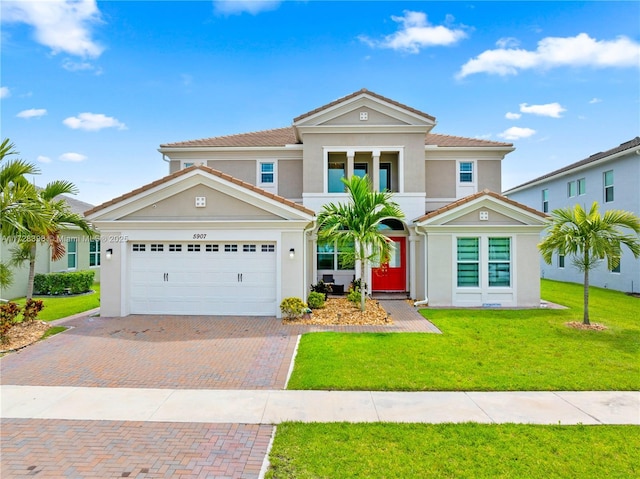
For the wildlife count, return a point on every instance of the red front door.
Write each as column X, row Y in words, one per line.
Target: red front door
column 392, row 276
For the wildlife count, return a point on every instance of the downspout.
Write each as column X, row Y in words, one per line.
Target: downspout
column 426, row 276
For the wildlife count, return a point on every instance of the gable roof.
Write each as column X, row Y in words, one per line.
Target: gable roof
column 355, row 94
column 475, row 196
column 206, row 169
column 627, row 145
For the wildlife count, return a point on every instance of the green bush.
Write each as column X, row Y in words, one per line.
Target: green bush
column 354, row 296
column 293, row 308
column 315, row 300
column 75, row 282
column 322, row 287
column 8, row 313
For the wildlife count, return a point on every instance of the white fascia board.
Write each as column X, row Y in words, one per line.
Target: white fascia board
column 235, row 225
column 501, row 149
column 433, row 230
column 572, row 171
column 208, row 149
column 363, row 129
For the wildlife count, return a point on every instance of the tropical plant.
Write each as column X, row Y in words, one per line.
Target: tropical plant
column 59, row 215
column 293, row 307
column 589, row 238
column 354, row 224
column 315, row 300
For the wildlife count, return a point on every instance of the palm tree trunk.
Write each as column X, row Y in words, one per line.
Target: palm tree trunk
column 32, row 270
column 585, row 317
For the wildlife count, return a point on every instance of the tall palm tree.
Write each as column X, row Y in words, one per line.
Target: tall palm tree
column 357, row 221
column 59, row 216
column 590, row 238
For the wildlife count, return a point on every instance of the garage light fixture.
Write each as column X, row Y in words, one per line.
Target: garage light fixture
column 292, row 253
column 109, row 253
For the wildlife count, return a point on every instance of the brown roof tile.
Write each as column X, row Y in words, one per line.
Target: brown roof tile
column 627, row 145
column 273, row 137
column 453, row 141
column 217, row 173
column 477, row 195
column 355, row 94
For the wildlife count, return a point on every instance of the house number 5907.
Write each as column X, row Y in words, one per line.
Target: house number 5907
column 199, row 235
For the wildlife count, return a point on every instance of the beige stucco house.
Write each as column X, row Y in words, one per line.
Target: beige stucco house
column 231, row 229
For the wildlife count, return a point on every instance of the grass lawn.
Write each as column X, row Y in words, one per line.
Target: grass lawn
column 57, row 307
column 341, row 450
column 487, row 350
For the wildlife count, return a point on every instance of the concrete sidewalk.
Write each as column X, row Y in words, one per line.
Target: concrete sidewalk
column 275, row 406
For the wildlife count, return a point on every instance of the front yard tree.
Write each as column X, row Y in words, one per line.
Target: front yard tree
column 590, row 238
column 355, row 223
column 58, row 216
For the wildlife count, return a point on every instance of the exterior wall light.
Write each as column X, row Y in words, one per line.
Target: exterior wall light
column 109, row 253
column 292, row 253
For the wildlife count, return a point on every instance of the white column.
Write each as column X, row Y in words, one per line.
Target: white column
column 375, row 155
column 351, row 154
column 413, row 265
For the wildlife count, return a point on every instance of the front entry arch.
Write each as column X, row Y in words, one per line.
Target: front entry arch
column 392, row 275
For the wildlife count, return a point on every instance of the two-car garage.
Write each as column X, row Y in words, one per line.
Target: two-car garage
column 225, row 278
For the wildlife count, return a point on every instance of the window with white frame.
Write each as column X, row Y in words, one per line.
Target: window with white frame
column 561, row 259
column 333, row 257
column 545, row 200
column 571, row 189
column 582, row 186
column 608, row 186
column 336, row 172
column 468, row 255
column 616, row 269
column 499, row 262
column 94, row 252
column 187, row 164
column 466, row 172
column 267, row 173
column 72, row 253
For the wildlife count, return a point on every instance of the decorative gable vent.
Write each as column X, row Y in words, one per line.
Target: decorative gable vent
column 364, row 116
column 201, row 201
column 484, row 216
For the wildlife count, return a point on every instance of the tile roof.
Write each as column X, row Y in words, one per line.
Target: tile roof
column 206, row 169
column 479, row 194
column 627, row 145
column 286, row 136
column 273, row 137
column 361, row 92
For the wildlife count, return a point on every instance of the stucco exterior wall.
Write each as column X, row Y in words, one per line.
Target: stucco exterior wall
column 490, row 175
column 440, row 179
column 290, row 179
column 527, row 270
column 440, row 271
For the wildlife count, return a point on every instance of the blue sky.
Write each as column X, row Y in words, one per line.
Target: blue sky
column 90, row 90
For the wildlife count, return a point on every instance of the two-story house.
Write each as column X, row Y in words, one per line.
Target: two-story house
column 231, row 229
column 609, row 177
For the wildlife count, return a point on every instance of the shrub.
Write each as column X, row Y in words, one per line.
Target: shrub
column 292, row 308
column 31, row 309
column 354, row 296
column 322, row 287
column 8, row 313
column 315, row 300
column 75, row 282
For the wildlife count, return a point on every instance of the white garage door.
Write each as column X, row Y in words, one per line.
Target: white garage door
column 227, row 278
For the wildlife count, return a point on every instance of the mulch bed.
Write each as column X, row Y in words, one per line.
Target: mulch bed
column 590, row 327
column 341, row 311
column 23, row 334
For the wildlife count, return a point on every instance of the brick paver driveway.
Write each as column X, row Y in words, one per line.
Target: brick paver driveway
column 177, row 352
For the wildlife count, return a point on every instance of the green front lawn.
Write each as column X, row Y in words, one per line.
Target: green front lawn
column 487, row 350
column 478, row 451
column 56, row 307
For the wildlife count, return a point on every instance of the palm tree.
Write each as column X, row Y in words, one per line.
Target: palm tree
column 58, row 216
column 356, row 223
column 590, row 238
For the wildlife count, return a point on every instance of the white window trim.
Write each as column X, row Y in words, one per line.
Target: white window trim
column 74, row 254
column 271, row 187
column 483, row 262
column 97, row 252
column 474, row 173
column 605, row 186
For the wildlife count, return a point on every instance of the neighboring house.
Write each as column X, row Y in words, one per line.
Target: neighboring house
column 611, row 178
column 231, row 229
column 82, row 253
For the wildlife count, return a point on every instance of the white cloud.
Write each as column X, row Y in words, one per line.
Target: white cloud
column 508, row 42
column 595, row 100
column 73, row 66
column 32, row 113
column 93, row 122
column 43, row 159
column 72, row 157
column 237, row 7
column 415, row 33
column 62, row 25
column 4, row 92
column 512, row 116
column 553, row 110
column 516, row 133
column 553, row 52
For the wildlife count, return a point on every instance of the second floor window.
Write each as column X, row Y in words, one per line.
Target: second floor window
column 608, row 186
column 466, row 172
column 571, row 189
column 336, row 173
column 582, row 186
column 267, row 173
column 545, row 200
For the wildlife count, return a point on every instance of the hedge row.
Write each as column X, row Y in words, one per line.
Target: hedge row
column 74, row 282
